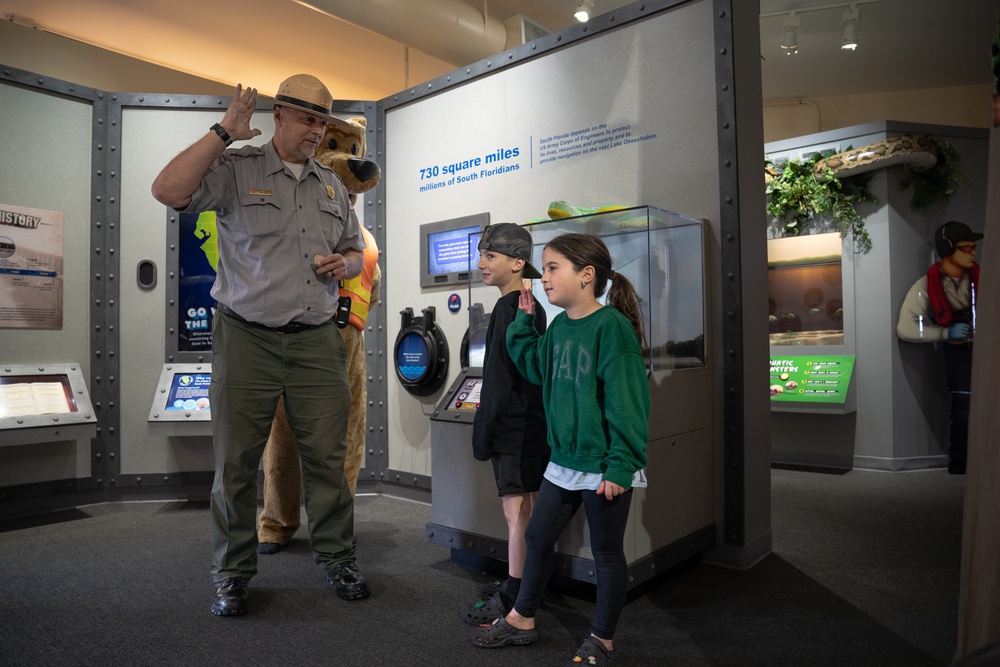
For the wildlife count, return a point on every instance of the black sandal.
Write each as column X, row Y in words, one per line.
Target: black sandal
column 592, row 653
column 491, row 588
column 502, row 633
column 484, row 612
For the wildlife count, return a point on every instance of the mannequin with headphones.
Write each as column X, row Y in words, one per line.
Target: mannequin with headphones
column 941, row 308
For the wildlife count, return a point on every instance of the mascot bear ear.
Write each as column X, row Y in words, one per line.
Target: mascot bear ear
column 343, row 150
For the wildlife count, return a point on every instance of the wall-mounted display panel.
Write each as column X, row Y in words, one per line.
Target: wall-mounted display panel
column 181, row 399
column 446, row 248
column 44, row 403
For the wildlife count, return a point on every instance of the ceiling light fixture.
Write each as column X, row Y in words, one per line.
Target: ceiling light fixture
column 790, row 36
column 584, row 11
column 852, row 24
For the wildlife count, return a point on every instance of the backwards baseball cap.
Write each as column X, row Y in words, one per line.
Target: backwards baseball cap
column 513, row 240
column 305, row 93
column 950, row 234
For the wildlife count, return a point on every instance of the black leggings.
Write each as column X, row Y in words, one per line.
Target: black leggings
column 958, row 370
column 606, row 519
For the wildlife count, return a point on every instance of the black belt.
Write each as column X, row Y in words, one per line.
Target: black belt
column 290, row 328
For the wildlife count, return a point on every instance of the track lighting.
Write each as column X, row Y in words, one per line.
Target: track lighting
column 852, row 22
column 790, row 36
column 825, row 26
column 584, row 10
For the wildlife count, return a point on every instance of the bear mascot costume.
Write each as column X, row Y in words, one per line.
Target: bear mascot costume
column 342, row 149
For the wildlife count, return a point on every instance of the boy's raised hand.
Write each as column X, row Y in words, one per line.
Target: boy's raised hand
column 525, row 302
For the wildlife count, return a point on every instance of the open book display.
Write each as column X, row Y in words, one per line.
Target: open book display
column 21, row 399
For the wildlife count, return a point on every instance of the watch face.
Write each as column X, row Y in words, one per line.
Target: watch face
column 221, row 131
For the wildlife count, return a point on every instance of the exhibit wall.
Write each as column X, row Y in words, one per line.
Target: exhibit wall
column 635, row 113
column 118, row 326
column 599, row 122
column 901, row 394
column 638, row 107
column 47, row 140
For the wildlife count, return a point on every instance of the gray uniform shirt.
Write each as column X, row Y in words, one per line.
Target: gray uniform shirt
column 270, row 227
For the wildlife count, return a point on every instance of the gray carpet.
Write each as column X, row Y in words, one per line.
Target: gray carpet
column 865, row 571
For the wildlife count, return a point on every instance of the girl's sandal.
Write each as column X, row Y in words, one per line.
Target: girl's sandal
column 502, row 633
column 491, row 588
column 484, row 612
column 592, row 653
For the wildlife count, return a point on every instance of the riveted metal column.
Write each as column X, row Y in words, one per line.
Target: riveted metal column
column 104, row 316
column 731, row 281
column 377, row 440
column 376, row 458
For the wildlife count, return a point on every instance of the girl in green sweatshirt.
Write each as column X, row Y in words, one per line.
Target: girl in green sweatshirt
column 592, row 368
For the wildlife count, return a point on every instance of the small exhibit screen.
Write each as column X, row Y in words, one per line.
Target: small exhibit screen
column 451, row 251
column 189, row 391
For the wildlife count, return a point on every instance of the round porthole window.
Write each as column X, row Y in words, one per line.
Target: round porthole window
column 421, row 353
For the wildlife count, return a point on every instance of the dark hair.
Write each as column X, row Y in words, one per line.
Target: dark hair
column 584, row 250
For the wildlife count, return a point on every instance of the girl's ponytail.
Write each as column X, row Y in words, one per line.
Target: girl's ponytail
column 625, row 299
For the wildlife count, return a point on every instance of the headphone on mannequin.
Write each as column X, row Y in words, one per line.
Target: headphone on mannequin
column 944, row 245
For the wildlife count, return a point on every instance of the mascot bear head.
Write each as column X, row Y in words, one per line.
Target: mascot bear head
column 343, row 150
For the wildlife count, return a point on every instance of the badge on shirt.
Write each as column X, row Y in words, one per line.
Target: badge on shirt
column 266, row 193
column 330, row 192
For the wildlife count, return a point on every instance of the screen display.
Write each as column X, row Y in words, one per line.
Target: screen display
column 448, row 250
column 452, row 251
column 412, row 357
column 188, row 391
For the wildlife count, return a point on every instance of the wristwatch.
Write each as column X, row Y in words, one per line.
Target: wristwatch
column 221, row 131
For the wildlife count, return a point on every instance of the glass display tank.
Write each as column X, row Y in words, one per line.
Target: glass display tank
column 805, row 290
column 661, row 253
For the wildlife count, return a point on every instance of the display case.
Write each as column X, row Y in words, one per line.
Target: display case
column 44, row 403
column 810, row 289
column 659, row 252
column 805, row 290
column 899, row 420
column 662, row 255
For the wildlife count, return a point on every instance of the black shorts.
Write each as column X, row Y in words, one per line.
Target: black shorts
column 516, row 474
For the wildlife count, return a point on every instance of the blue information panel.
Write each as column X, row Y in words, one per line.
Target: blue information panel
column 189, row 391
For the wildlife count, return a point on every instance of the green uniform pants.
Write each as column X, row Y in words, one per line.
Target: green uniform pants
column 251, row 368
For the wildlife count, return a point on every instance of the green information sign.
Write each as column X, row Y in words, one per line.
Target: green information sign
column 803, row 379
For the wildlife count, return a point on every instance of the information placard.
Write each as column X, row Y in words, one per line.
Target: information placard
column 811, row 379
column 182, row 395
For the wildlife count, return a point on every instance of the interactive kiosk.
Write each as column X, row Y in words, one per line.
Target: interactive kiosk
column 181, row 405
column 662, row 254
